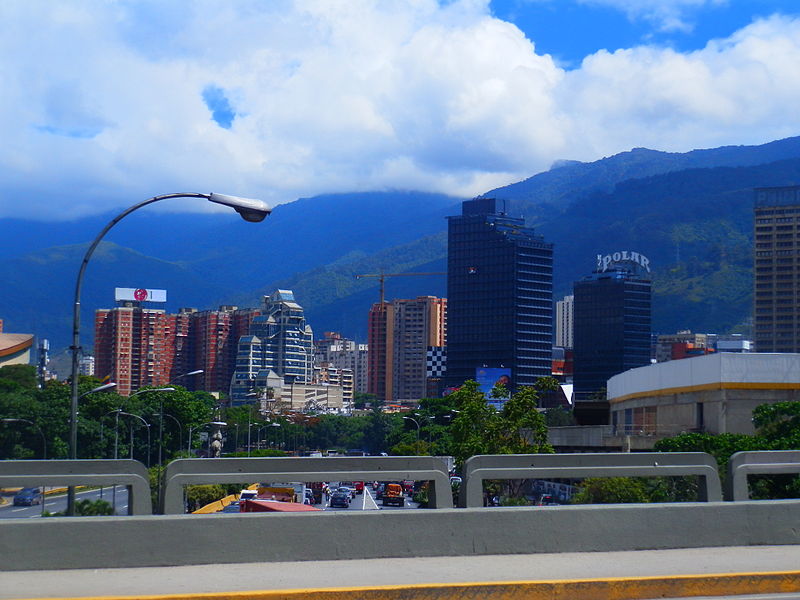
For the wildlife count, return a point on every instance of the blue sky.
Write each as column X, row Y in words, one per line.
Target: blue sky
column 569, row 30
column 107, row 102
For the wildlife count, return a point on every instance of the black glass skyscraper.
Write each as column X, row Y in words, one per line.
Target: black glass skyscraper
column 611, row 335
column 499, row 296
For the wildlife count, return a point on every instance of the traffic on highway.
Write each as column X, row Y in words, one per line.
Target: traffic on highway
column 24, row 503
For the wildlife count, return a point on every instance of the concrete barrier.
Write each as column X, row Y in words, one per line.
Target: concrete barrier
column 772, row 462
column 162, row 540
column 574, row 466
column 246, row 470
column 132, row 473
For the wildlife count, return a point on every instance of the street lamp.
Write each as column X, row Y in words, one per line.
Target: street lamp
column 250, row 210
column 415, row 423
column 41, row 433
column 127, row 414
column 73, row 438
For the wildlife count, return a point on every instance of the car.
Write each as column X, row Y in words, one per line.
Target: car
column 351, row 492
column 340, row 500
column 28, row 497
column 233, row 507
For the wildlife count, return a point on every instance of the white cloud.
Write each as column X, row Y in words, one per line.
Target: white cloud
column 103, row 101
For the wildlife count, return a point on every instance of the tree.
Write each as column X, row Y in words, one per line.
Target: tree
column 518, row 428
column 22, row 375
column 611, row 490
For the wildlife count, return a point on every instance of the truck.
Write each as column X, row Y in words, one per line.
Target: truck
column 393, row 494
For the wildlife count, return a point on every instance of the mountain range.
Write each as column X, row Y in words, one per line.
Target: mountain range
column 690, row 213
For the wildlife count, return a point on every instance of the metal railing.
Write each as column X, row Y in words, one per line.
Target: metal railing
column 759, row 462
column 131, row 473
column 373, row 468
column 579, row 466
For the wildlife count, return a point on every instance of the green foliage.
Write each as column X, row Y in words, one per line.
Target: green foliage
column 198, row 496
column 559, row 417
column 22, row 375
column 519, row 428
column 777, row 428
column 612, row 490
column 421, row 497
column 414, row 448
column 720, row 446
column 779, row 423
column 87, row 508
column 515, row 501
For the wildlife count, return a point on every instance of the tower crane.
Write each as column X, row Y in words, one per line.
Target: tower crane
column 382, row 278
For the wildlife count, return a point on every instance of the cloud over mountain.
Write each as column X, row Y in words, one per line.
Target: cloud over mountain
column 106, row 103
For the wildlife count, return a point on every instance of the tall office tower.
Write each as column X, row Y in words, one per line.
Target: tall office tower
column 279, row 341
column 499, row 295
column 214, row 338
column 380, row 339
column 335, row 351
column 565, row 315
column 777, row 278
column 612, row 335
column 419, row 324
column 129, row 347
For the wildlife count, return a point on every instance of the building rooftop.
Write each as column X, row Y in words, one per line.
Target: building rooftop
column 758, row 370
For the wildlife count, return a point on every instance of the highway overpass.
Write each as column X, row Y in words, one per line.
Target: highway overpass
column 597, row 551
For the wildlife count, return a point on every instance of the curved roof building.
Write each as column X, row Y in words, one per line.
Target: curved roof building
column 15, row 348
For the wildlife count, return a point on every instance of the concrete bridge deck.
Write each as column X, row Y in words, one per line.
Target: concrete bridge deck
column 573, row 575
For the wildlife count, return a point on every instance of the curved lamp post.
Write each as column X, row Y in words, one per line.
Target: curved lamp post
column 415, row 423
column 147, row 425
column 250, row 210
column 161, row 424
column 39, row 429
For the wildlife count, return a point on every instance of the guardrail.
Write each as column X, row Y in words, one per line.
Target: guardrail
column 131, row 473
column 172, row 539
column 758, row 462
column 237, row 470
column 577, row 466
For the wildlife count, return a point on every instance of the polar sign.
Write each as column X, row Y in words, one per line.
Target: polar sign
column 604, row 261
column 140, row 295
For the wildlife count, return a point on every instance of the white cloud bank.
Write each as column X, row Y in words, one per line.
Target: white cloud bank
column 103, row 102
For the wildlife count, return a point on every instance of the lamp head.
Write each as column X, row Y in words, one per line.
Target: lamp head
column 250, row 209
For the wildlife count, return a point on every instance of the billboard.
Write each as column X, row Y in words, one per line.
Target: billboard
column 140, row 295
column 487, row 378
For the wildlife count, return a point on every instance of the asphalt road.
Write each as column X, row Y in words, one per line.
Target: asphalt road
column 58, row 502
column 367, row 501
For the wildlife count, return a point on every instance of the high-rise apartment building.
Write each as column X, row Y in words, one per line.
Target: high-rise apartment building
column 214, row 338
column 403, row 333
column 279, row 341
column 380, row 339
column 499, row 294
column 137, row 346
column 612, row 335
column 565, row 316
column 338, row 352
column 777, row 269
column 419, row 324
column 130, row 347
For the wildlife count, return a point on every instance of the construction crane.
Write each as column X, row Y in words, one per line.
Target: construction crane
column 382, row 278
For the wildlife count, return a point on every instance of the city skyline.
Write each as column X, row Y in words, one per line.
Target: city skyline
column 112, row 102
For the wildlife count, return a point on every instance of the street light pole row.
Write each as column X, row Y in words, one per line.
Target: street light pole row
column 250, row 210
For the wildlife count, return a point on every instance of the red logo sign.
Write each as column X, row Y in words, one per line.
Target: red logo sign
column 140, row 295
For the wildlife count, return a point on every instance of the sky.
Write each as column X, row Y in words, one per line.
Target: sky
column 108, row 102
